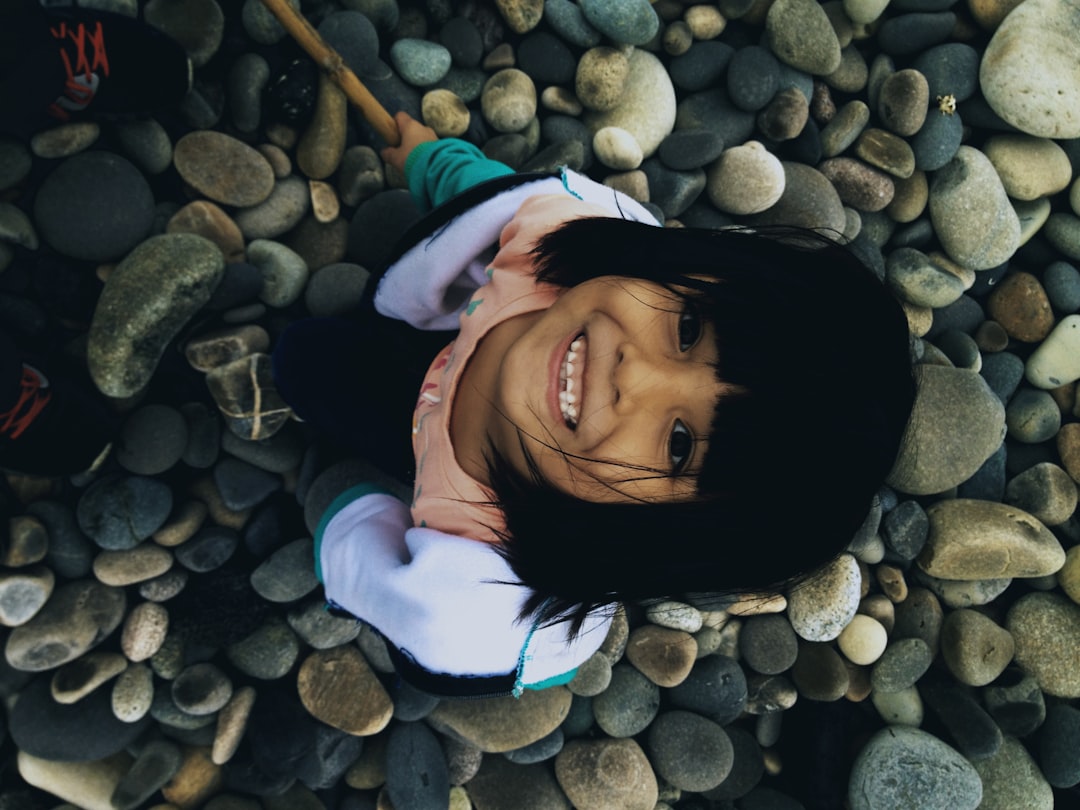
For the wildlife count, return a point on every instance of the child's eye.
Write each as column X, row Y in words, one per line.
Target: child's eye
column 680, row 445
column 689, row 328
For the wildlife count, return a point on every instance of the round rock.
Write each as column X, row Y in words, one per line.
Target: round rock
column 1046, row 629
column 605, row 774
column 647, row 107
column 822, row 606
column 223, row 168
column 688, row 751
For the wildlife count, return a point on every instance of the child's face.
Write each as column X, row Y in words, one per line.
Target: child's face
column 613, row 389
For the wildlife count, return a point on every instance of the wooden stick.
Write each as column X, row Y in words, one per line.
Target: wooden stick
column 330, row 61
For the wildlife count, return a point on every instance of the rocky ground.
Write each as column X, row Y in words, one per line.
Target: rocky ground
column 165, row 644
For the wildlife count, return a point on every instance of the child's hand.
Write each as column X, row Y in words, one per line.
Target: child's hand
column 413, row 133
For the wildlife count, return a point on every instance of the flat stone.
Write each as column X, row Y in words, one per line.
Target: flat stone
column 1046, row 629
column 120, row 568
column 1011, row 778
column 606, row 775
column 690, row 752
column 956, row 424
column 147, row 300
column 665, row 656
column 338, row 687
column 226, row 170
column 972, row 539
column 78, row 617
column 495, row 725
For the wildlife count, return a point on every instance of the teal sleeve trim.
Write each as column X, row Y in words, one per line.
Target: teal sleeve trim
column 439, row 170
column 554, row 680
column 340, row 502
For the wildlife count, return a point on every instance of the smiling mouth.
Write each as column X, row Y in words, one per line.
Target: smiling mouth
column 571, row 377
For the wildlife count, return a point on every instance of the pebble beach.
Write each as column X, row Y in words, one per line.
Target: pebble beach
column 165, row 642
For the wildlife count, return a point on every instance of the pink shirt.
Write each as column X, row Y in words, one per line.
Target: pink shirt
column 444, row 496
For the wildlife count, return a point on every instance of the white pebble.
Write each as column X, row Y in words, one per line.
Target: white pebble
column 863, row 640
column 617, row 149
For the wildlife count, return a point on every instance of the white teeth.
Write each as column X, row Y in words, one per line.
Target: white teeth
column 567, row 398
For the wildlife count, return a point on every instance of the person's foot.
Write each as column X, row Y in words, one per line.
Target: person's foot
column 55, row 427
column 115, row 65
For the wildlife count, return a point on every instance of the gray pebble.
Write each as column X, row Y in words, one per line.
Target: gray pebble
column 336, row 289
column 352, row 34
column 461, row 38
column 1016, row 703
column 1059, row 742
column 70, row 553
column 568, row 21
column 201, row 689
column 627, row 22
column 974, row 731
column 1061, row 281
column 247, row 80
column 768, row 644
column 210, row 548
column 320, row 629
column 243, row 485
column 288, row 203
column 119, row 512
column 419, row 62
column 701, row 67
column 950, row 69
column 288, row 574
column 753, row 77
column 905, row 529
column 204, row 435
column 628, row 705
column 146, row 143
column 911, row 33
column 166, row 712
column 261, row 24
column 152, row 440
column 155, row 765
column 688, row 751
column 540, row 751
column 937, row 141
column 715, row 688
column 546, row 59
column 268, row 653
column 416, row 771
column 901, row 665
column 1032, row 416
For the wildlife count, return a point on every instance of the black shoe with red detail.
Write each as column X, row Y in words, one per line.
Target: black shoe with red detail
column 115, row 65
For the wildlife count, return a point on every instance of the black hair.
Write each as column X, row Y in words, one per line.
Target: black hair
column 817, row 354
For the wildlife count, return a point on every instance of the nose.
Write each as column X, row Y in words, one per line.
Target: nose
column 640, row 376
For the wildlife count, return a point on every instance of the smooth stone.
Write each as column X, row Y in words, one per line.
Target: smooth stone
column 963, row 593
column 508, row 101
column 446, row 113
column 16, row 227
column 670, row 191
column 145, row 629
column 499, row 783
column 905, row 529
column 1069, row 575
column 288, row 574
column 15, row 163
column 1036, row 89
column 131, row 566
column 540, row 751
column 821, row 607
column 67, row 202
column 354, row 35
column 282, row 210
column 1058, row 740
column 521, row 15
column 1019, row 303
column 690, row 149
column 201, row 689
column 202, row 157
column 319, row 152
column 79, row 732
column 155, row 765
column 1016, row 702
column 1061, row 281
column 133, row 693
column 799, row 34
column 689, row 751
column 626, row 22
column 118, row 512
column 335, row 289
column 863, row 640
column 569, row 22
column 339, row 688
column 147, row 300
column 546, row 59
column 606, row 774
column 970, row 540
column 1045, row 491
column 496, row 725
column 1062, row 231
column 767, row 694
column 956, row 424
column 917, row 279
column 715, row 688
column 1011, row 778
column 968, row 202
column 628, row 705
column 820, row 673
column 663, row 655
column 844, row 128
column 208, row 549
column 261, row 25
column 768, row 644
column 416, row 768
column 268, row 653
column 858, row 185
column 701, row 67
column 1029, row 167
column 617, row 149
column 77, row 679
column 360, row 176
column 1046, row 630
column 950, row 69
column 23, row 593
column 152, row 440
column 973, row 730
column 753, row 77
column 975, row 648
column 461, row 37
column 902, row 766
column 419, row 62
column 248, row 78
column 197, row 25
column 1032, row 416
column 91, row 784
column 808, row 200
column 911, row 33
column 320, row 629
column 902, row 102
column 675, row 615
column 886, row 151
column 901, row 708
column 214, row 349
column 647, row 107
column 902, row 663
column 746, row 179
column 232, row 724
column 937, row 142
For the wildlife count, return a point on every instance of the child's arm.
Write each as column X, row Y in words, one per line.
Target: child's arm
column 437, row 170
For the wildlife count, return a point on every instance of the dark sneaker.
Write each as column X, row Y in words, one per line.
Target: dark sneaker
column 115, row 65
column 54, row 428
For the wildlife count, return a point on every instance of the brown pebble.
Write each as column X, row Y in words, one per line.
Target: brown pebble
column 206, row 219
column 903, row 101
column 1064, row 397
column 319, row 152
column 878, row 606
column 1020, row 305
column 886, row 151
column 819, row 672
column 278, row 159
column 859, row 687
column 991, row 337
column 859, row 185
column 892, row 582
column 369, row 771
column 223, row 168
column 338, row 687
column 144, row 631
column 131, row 566
column 231, row 724
column 662, row 655
column 785, row 116
column 197, row 780
column 206, row 490
column 28, row 542
column 77, row 679
column 822, row 106
column 1068, row 447
column 909, row 197
column 920, row 616
column 182, row 525
column 324, row 201
column 214, row 349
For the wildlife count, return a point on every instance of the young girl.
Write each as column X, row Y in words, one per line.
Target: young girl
column 627, row 412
